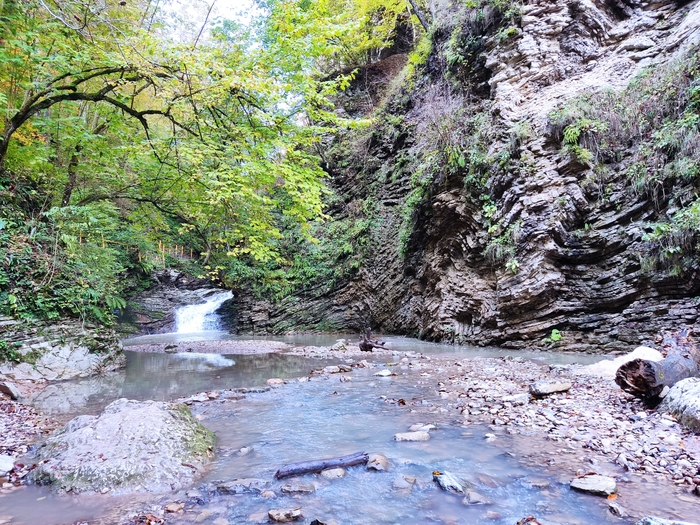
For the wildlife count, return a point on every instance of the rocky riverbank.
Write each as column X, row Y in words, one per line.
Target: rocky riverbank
column 585, row 425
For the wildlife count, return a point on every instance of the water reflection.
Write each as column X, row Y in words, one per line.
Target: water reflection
column 163, row 377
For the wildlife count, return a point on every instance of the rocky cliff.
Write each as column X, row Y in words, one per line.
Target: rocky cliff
column 531, row 177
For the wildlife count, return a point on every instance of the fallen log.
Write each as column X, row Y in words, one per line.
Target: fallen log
column 311, row 467
column 648, row 379
column 367, row 344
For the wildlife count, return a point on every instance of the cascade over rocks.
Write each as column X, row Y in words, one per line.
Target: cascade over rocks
column 576, row 238
column 153, row 310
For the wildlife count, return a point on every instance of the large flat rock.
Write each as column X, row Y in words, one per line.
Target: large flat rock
column 132, row 446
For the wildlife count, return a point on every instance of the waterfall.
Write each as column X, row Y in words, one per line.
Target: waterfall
column 200, row 317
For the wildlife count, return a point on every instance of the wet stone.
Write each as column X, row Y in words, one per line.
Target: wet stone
column 298, row 487
column 403, row 483
column 474, row 498
column 242, row 486
column 595, row 484
column 412, row 436
column 275, row 382
column 334, row 473
column 378, row 462
column 285, row 515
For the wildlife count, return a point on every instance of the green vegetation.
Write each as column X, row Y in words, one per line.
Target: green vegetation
column 657, row 121
column 554, row 337
column 126, row 146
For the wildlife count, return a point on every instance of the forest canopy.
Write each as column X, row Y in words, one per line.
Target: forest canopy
column 125, row 144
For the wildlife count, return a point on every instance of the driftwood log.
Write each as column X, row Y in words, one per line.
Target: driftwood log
column 367, row 344
column 311, row 467
column 647, row 379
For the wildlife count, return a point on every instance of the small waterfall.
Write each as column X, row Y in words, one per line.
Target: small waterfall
column 200, row 317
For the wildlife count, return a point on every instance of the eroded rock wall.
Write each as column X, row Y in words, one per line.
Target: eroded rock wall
column 577, row 244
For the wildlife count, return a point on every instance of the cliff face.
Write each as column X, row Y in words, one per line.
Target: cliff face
column 504, row 196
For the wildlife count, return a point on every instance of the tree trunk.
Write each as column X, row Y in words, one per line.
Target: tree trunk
column 72, row 176
column 420, row 15
column 309, row 467
column 367, row 344
column 647, row 379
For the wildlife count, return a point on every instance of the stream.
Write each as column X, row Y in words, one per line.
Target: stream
column 319, row 418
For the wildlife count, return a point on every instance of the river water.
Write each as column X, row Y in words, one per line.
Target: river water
column 311, row 420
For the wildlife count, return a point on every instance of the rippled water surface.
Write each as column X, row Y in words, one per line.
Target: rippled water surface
column 318, row 419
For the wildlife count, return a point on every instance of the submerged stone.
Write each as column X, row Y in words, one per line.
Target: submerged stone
column 412, row 436
column 377, row 462
column 132, row 446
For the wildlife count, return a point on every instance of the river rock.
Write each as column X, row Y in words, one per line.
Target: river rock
column 450, row 482
column 10, row 389
column 517, row 399
column 377, row 462
column 383, row 373
column 242, row 486
column 683, row 401
column 333, row 473
column 403, row 483
column 474, row 498
column 7, row 463
column 275, row 381
column 649, row 520
column 298, row 487
column 285, row 515
column 595, row 484
column 545, row 388
column 62, row 350
column 412, row 436
column 132, row 446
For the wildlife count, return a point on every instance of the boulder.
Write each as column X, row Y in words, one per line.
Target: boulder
column 595, row 484
column 132, row 446
column 545, row 388
column 683, row 401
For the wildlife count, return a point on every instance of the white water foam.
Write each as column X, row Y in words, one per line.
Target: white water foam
column 200, row 317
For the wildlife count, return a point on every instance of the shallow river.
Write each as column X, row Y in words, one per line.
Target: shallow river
column 318, row 419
